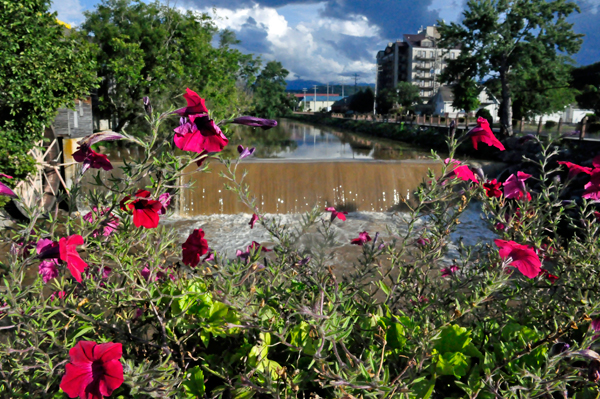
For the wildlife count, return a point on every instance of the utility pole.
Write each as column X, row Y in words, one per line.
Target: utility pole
column 375, row 97
column 355, row 80
column 327, row 106
column 315, row 109
column 304, row 103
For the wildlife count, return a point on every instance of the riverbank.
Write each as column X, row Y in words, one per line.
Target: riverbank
column 429, row 139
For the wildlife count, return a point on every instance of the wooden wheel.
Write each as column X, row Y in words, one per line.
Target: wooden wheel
column 42, row 186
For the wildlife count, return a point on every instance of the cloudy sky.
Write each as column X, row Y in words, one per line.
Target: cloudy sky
column 330, row 40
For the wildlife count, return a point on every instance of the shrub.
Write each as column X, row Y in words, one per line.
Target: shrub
column 550, row 125
column 184, row 322
column 485, row 113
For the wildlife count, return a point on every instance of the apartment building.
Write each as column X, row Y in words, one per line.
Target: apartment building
column 416, row 58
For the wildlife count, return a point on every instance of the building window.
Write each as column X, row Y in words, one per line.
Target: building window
column 431, row 54
column 452, row 55
column 422, row 93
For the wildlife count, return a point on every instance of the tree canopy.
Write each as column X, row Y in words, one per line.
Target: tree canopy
column 269, row 97
column 44, row 68
column 363, row 101
column 151, row 49
column 522, row 43
column 586, row 79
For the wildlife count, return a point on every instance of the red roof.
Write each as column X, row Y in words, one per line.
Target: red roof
column 311, row 93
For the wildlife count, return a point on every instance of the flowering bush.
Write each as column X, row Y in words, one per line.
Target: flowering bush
column 140, row 315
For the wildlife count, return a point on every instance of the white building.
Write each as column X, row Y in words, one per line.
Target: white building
column 318, row 103
column 571, row 114
column 442, row 103
column 416, row 59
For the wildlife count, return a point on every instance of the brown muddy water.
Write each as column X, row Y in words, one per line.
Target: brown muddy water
column 297, row 166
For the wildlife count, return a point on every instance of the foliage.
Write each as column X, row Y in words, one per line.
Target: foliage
column 586, row 79
column 408, row 94
column 44, row 68
column 386, row 100
column 485, row 113
column 466, row 95
column 269, row 97
column 521, row 43
column 362, row 101
column 151, row 49
column 284, row 324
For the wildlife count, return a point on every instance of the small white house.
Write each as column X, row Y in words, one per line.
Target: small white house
column 442, row 103
column 571, row 114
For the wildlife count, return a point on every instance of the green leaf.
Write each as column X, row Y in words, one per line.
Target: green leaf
column 424, row 389
column 453, row 339
column 395, row 336
column 453, row 363
column 194, row 385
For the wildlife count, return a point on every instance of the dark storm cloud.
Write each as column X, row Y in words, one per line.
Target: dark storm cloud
column 253, row 37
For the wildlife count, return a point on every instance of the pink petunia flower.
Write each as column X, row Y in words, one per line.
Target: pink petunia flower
column 253, row 220
column 145, row 273
column 575, row 169
column 592, row 189
column 91, row 159
column 48, row 269
column 194, row 247
column 249, row 249
column 462, row 172
column 514, row 186
column 4, row 189
column 596, row 324
column 482, row 132
column 57, row 294
column 550, row 277
column 165, row 201
column 522, row 257
column 336, row 214
column 94, row 370
column 362, row 238
column 449, row 271
column 422, row 241
column 195, row 104
column 108, row 226
column 199, row 134
column 69, row 255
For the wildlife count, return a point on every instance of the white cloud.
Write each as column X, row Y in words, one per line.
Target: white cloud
column 69, row 11
column 315, row 48
column 448, row 10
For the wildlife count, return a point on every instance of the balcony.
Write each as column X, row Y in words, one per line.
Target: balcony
column 424, row 57
column 425, row 77
column 421, row 65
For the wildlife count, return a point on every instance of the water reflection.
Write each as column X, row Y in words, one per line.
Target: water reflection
column 297, row 166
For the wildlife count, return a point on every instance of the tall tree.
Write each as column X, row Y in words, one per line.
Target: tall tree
column 511, row 40
column 407, row 95
column 270, row 98
column 586, row 79
column 44, row 67
column 363, row 101
column 151, row 49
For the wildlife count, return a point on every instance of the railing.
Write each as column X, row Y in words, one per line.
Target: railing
column 422, row 66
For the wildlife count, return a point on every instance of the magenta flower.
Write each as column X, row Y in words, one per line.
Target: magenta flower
column 48, row 269
column 484, row 133
column 575, row 169
column 596, row 325
column 94, row 371
column 145, row 273
column 69, row 255
column 59, row 294
column 47, row 249
column 449, row 271
column 199, row 134
column 107, row 226
column 91, row 159
column 422, row 241
column 245, row 152
column 514, row 186
column 195, row 104
column 106, row 271
column 194, row 247
column 500, row 226
column 250, row 249
column 145, row 211
column 592, row 189
column 138, row 313
column 550, row 277
column 336, row 214
column 4, row 189
column 522, row 257
column 464, row 173
column 165, row 201
column 362, row 239
column 255, row 122
column 253, row 220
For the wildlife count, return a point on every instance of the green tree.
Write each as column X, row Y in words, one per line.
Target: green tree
column 466, row 95
column 44, row 68
column 362, row 101
column 155, row 50
column 386, row 99
column 512, row 40
column 586, row 79
column 270, row 98
column 407, row 95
